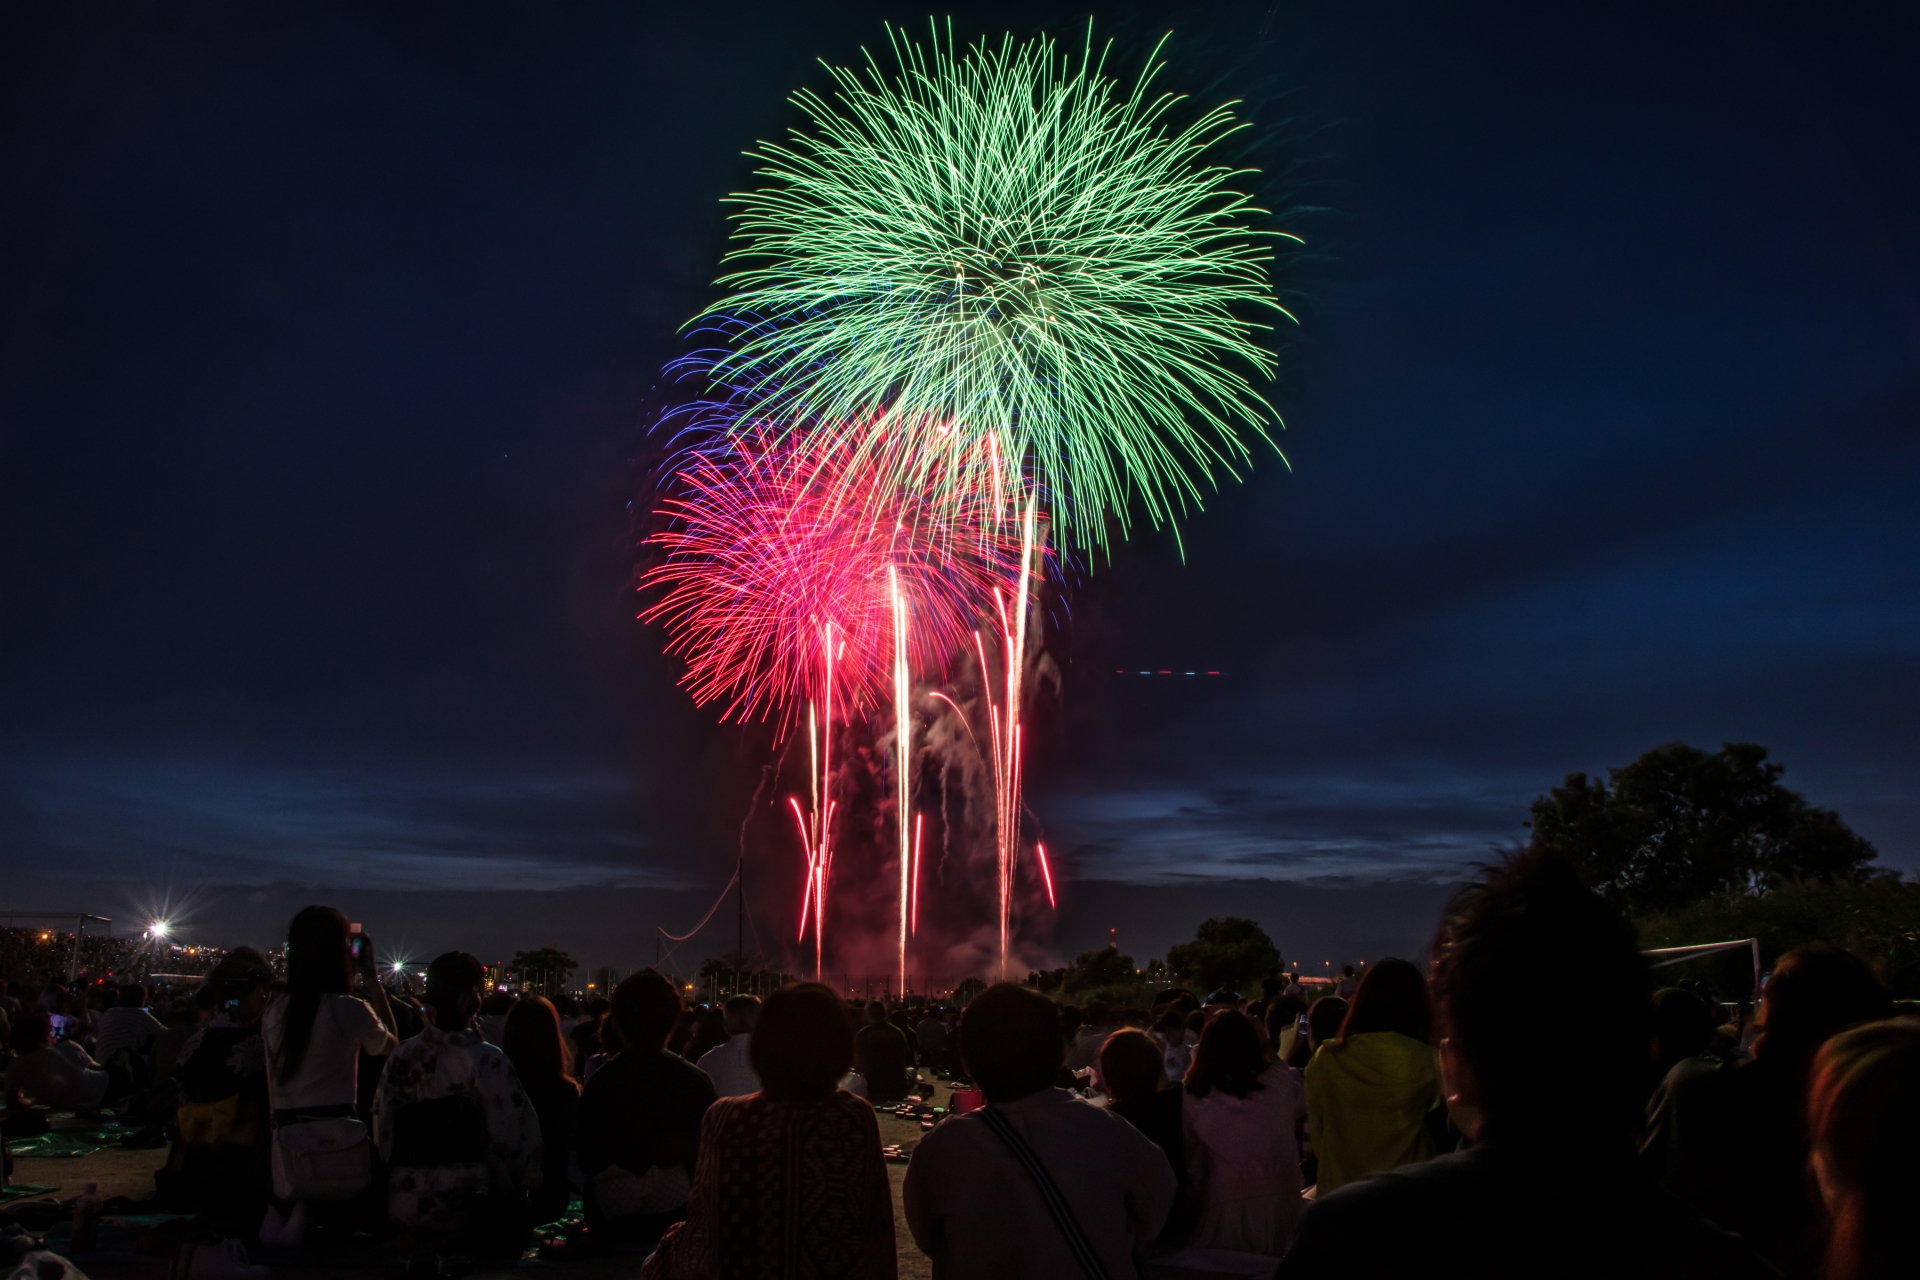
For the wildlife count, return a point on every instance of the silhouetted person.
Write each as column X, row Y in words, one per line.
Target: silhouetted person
column 1243, row 1159
column 1133, row 1068
column 1551, row 1097
column 1864, row 1112
column 543, row 1061
column 456, row 1129
column 640, row 1117
column 1683, row 1028
column 973, row 1192
column 1733, row 1141
column 884, row 1057
column 729, row 1064
column 1369, row 1090
column 791, row 1183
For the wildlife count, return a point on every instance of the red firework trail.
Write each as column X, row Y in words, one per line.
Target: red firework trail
column 787, row 569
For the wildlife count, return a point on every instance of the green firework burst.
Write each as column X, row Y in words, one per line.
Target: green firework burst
column 1009, row 243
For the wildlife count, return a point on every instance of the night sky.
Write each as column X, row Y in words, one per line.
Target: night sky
column 330, row 337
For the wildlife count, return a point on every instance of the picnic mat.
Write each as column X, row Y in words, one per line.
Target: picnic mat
column 23, row 1191
column 81, row 1138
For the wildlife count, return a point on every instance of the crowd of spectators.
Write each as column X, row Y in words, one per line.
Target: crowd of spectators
column 1526, row 1104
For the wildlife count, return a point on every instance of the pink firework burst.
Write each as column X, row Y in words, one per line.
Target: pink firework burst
column 783, row 539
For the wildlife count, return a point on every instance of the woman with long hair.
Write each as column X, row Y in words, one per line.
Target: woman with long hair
column 330, row 1013
column 1863, row 1114
column 800, row 1162
column 544, row 1063
column 1243, row 1157
column 1369, row 1091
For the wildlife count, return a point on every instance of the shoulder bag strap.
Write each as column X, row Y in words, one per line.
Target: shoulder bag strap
column 1057, row 1207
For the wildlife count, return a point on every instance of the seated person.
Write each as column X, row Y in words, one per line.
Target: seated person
column 729, row 1065
column 457, row 1132
column 882, row 1056
column 1550, row 1187
column 127, row 1025
column 639, row 1117
column 1133, row 1069
column 221, row 1163
column 932, row 1037
column 799, row 1160
column 60, row 1077
column 533, row 1043
column 972, row 1198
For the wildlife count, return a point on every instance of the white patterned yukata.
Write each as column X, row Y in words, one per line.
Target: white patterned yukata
column 440, row 1064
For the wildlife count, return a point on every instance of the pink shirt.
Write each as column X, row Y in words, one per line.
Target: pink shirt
column 1239, row 1147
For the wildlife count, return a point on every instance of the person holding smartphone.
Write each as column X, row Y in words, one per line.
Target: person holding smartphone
column 332, row 1011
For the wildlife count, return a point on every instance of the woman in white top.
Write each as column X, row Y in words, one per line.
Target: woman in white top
column 315, row 1032
column 1243, row 1157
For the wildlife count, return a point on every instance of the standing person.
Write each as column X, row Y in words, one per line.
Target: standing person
column 1369, row 1092
column 541, row 1059
column 458, row 1133
column 799, row 1161
column 974, row 1193
column 885, row 1059
column 315, row 1032
column 1552, row 1101
column 639, row 1119
column 1348, row 984
column 728, row 1065
column 1243, row 1159
column 1732, row 1141
column 1864, row 1112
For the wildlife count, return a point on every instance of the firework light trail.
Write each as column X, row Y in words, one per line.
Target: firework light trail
column 1009, row 242
column 784, row 580
column 1004, row 728
column 902, row 761
column 987, row 292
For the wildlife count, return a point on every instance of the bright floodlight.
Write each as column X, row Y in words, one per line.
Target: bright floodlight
column 159, row 928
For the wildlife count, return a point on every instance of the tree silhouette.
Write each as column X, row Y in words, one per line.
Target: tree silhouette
column 1226, row 952
column 544, row 971
column 1678, row 826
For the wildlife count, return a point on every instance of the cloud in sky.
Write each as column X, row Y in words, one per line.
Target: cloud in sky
column 1414, row 822
column 325, row 413
column 237, row 824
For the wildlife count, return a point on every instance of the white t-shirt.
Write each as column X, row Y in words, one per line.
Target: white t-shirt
column 732, row 1073
column 343, row 1027
column 123, row 1028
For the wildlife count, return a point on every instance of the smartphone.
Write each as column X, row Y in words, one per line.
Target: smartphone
column 358, row 947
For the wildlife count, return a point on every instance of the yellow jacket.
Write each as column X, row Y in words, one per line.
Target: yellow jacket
column 1367, row 1104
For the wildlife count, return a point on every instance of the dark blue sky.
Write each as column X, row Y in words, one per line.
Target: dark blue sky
column 329, row 337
